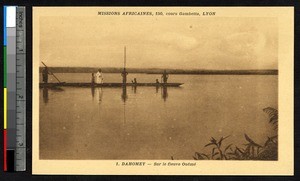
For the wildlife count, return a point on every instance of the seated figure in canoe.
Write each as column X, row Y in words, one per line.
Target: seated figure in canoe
column 134, row 81
column 157, row 82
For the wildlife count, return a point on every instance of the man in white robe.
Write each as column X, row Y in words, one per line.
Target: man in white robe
column 99, row 77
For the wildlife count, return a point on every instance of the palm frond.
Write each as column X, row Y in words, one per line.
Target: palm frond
column 251, row 141
column 239, row 150
column 229, row 146
column 200, row 156
column 273, row 114
column 222, row 139
column 213, row 140
column 209, row 144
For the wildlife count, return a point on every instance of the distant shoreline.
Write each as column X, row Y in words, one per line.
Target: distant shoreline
column 159, row 71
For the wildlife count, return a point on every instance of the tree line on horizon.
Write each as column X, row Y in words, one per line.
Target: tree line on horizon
column 160, row 70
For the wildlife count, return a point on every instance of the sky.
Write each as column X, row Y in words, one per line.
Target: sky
column 221, row 43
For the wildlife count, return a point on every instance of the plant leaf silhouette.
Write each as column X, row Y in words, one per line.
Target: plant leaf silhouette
column 251, row 141
column 209, row 144
column 222, row 139
column 229, row 146
column 273, row 115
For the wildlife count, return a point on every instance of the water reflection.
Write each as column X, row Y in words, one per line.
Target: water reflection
column 164, row 93
column 99, row 91
column 124, row 98
column 93, row 92
column 134, row 88
column 46, row 92
column 100, row 94
column 45, row 95
column 157, row 88
column 124, row 94
column 166, row 127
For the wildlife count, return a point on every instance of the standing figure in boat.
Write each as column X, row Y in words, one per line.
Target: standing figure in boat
column 157, row 85
column 165, row 77
column 93, row 79
column 124, row 76
column 99, row 77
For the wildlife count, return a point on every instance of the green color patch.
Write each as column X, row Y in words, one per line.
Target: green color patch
column 4, row 66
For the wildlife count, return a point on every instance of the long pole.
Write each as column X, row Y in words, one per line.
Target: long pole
column 51, row 72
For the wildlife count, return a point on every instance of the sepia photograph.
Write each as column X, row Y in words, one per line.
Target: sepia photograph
column 180, row 85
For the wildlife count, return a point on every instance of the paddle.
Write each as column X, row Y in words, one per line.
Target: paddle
column 52, row 73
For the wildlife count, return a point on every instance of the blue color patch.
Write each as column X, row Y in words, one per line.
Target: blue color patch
column 4, row 25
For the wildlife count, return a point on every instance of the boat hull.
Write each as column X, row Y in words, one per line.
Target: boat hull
column 109, row 84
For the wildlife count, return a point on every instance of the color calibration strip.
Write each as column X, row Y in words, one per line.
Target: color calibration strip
column 14, row 89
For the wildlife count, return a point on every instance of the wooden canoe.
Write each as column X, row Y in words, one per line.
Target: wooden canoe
column 69, row 84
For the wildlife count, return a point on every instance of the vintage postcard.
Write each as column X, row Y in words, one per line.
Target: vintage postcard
column 163, row 90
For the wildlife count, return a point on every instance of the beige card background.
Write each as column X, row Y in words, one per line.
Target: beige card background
column 285, row 163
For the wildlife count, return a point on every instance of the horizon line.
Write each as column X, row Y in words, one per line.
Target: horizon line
column 153, row 68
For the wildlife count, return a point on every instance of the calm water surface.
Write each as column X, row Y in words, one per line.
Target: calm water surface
column 150, row 123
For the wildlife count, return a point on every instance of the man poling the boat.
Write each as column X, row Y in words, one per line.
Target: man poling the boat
column 45, row 73
column 93, row 79
column 99, row 77
column 165, row 77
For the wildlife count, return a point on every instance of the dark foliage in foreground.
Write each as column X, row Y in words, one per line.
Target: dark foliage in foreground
column 251, row 149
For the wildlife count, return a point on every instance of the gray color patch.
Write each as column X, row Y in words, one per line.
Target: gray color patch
column 11, row 82
column 11, row 31
column 11, row 119
column 11, row 45
column 11, row 100
column 11, row 138
column 11, row 63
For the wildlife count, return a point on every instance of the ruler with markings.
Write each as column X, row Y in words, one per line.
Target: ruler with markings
column 14, row 88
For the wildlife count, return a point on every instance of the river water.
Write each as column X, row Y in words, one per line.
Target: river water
column 150, row 122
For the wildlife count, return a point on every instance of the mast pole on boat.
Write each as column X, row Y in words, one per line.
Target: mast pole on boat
column 124, row 73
